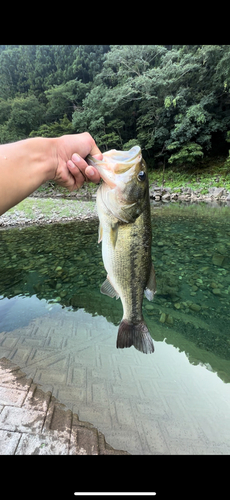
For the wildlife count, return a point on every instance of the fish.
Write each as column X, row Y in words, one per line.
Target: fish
column 123, row 207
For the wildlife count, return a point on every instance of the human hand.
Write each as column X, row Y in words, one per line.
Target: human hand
column 72, row 170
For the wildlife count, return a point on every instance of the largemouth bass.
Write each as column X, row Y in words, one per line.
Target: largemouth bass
column 125, row 231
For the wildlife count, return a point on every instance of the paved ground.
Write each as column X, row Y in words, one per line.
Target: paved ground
column 33, row 422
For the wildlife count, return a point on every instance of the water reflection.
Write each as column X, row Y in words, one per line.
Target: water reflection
column 62, row 264
column 57, row 326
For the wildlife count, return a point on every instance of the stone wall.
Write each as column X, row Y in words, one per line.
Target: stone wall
column 186, row 194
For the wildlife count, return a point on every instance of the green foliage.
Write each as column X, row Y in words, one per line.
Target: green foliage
column 55, row 129
column 24, row 113
column 5, row 110
column 189, row 153
column 174, row 101
column 227, row 163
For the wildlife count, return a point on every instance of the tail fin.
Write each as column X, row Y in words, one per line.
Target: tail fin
column 138, row 335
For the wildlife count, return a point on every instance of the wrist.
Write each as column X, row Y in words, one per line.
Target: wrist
column 45, row 154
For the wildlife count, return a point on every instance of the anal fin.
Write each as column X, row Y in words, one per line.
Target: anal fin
column 108, row 289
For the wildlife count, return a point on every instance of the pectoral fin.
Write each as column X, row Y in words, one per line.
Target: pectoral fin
column 100, row 233
column 150, row 289
column 108, row 289
column 113, row 234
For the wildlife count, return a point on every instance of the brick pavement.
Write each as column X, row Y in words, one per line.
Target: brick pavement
column 33, row 422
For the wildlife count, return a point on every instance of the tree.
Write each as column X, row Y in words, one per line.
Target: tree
column 88, row 61
column 8, row 71
column 172, row 100
column 188, row 154
column 26, row 114
column 55, row 129
column 5, row 110
column 65, row 99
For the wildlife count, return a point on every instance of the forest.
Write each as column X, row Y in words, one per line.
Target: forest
column 172, row 100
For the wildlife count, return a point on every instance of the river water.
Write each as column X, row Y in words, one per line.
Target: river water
column 59, row 329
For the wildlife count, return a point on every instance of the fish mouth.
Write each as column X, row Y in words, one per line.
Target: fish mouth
column 115, row 162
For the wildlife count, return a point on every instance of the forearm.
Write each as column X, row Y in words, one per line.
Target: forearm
column 24, row 166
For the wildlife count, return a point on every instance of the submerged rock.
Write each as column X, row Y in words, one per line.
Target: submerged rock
column 217, row 259
column 162, row 318
column 169, row 319
column 195, row 307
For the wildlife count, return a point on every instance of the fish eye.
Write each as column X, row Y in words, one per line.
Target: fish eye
column 141, row 176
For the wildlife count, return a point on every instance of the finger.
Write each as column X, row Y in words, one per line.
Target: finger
column 83, row 143
column 91, row 144
column 98, row 155
column 91, row 173
column 76, row 173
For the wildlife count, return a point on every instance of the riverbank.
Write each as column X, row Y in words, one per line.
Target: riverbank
column 50, row 210
column 50, row 203
column 187, row 194
column 47, row 211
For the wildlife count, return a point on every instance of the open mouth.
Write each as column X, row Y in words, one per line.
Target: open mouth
column 115, row 162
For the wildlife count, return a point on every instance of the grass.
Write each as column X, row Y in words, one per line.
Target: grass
column 32, row 208
column 210, row 172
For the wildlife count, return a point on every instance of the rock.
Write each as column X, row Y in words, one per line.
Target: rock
column 57, row 299
column 163, row 318
column 195, row 307
column 186, row 190
column 216, row 291
column 221, row 249
column 204, row 270
column 184, row 197
column 213, row 285
column 155, row 193
column 166, row 197
column 169, row 319
column 177, row 305
column 149, row 307
column 217, row 259
column 216, row 192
